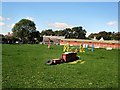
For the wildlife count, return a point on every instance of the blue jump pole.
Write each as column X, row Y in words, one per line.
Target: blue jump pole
column 92, row 47
column 87, row 48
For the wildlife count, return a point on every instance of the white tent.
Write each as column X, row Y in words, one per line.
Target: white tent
column 101, row 39
column 94, row 38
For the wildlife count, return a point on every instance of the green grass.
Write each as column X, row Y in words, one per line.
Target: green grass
column 23, row 66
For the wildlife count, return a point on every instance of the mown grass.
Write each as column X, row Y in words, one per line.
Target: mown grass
column 23, row 66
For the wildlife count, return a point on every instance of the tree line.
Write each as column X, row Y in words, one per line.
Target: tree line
column 75, row 32
column 25, row 31
column 105, row 35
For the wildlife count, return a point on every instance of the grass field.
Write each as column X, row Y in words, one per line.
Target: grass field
column 23, row 66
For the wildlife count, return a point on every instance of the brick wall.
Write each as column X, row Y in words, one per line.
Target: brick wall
column 100, row 44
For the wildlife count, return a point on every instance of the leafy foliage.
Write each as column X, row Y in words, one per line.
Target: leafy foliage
column 47, row 32
column 75, row 32
column 106, row 35
column 23, row 29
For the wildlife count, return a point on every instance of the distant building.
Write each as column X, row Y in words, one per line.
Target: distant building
column 76, row 42
column 9, row 34
column 97, row 43
column 54, row 39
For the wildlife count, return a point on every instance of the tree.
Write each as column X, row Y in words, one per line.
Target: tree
column 67, row 33
column 106, row 35
column 23, row 29
column 47, row 32
column 102, row 34
column 59, row 33
column 34, row 37
column 92, row 35
column 79, row 32
column 117, row 36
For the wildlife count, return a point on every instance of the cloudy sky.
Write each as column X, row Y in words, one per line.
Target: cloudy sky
column 92, row 16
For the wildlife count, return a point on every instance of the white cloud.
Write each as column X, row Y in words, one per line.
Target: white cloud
column 30, row 18
column 88, row 33
column 2, row 24
column 8, row 18
column 3, row 33
column 1, row 18
column 112, row 23
column 12, row 25
column 37, row 28
column 60, row 25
